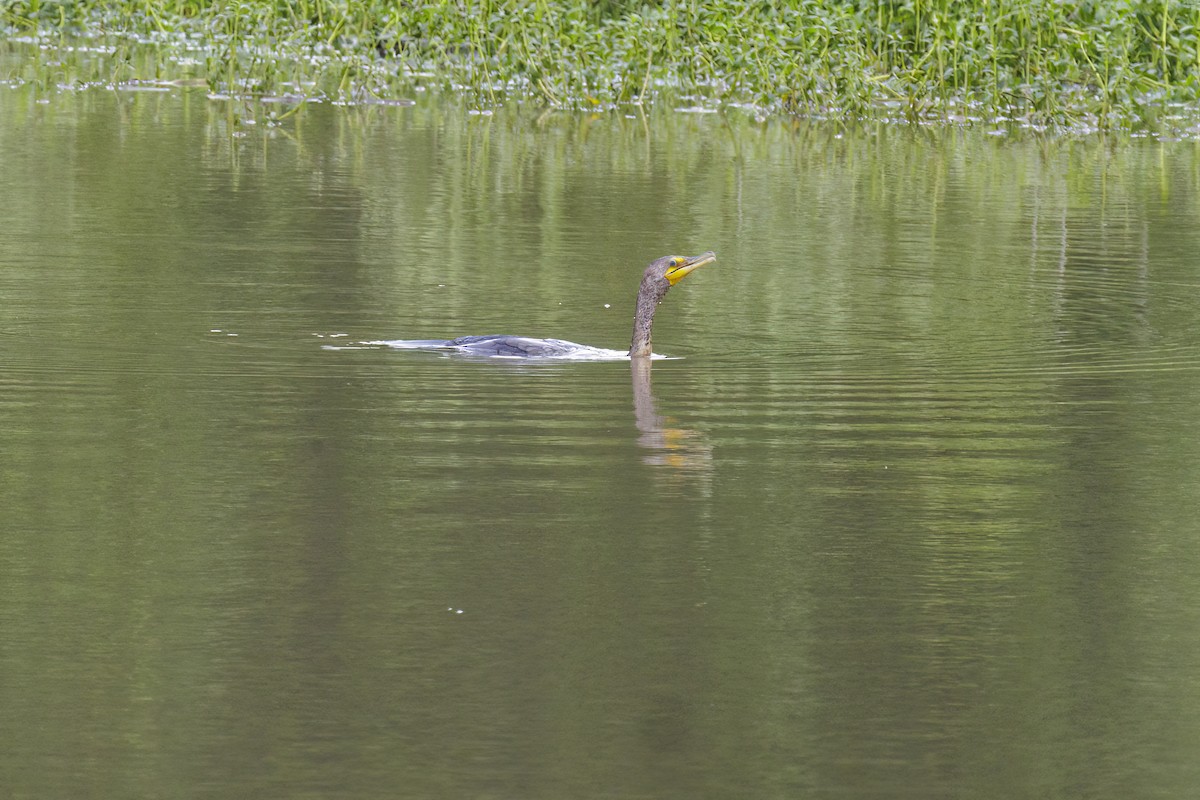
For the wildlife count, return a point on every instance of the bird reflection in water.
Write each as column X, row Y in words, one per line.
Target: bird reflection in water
column 681, row 449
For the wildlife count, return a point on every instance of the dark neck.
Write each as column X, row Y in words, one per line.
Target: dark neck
column 649, row 296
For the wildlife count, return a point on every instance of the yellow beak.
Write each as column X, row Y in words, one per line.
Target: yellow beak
column 677, row 273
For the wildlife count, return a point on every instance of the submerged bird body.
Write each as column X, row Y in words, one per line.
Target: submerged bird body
column 514, row 346
column 657, row 280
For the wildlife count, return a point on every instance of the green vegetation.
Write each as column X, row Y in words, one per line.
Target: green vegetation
column 1090, row 64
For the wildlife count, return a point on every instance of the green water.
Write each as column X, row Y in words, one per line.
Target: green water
column 912, row 511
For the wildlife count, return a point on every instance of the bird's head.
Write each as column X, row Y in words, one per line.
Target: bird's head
column 670, row 270
column 657, row 280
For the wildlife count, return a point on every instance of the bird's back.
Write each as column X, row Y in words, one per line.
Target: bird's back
column 515, row 346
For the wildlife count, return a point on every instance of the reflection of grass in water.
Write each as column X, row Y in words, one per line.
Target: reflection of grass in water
column 1091, row 64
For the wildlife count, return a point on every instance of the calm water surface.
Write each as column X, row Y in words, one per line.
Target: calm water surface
column 913, row 511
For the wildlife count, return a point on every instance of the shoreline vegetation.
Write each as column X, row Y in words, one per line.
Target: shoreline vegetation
column 1129, row 65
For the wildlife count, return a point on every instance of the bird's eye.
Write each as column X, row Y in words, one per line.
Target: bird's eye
column 675, row 262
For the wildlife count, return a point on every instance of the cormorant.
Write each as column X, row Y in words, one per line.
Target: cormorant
column 657, row 280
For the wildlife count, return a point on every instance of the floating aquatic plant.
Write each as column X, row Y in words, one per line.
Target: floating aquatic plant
column 1101, row 64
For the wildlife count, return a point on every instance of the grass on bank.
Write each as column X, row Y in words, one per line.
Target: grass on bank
column 1106, row 63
